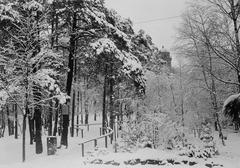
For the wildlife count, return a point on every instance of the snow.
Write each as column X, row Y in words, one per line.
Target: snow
column 3, row 98
column 10, row 154
column 64, row 41
column 99, row 17
column 7, row 12
column 62, row 97
column 104, row 45
column 130, row 62
column 50, row 1
column 43, row 55
column 42, row 77
column 229, row 154
column 33, row 5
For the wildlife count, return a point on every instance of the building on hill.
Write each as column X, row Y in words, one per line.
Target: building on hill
column 161, row 61
column 164, row 54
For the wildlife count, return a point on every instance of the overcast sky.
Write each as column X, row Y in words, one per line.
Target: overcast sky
column 161, row 31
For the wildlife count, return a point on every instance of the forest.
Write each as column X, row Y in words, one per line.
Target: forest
column 66, row 65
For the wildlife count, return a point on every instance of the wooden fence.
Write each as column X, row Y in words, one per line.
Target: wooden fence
column 111, row 132
column 86, row 125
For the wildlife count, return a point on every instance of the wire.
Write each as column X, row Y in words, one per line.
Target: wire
column 158, row 19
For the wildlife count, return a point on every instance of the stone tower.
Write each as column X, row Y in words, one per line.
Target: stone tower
column 165, row 55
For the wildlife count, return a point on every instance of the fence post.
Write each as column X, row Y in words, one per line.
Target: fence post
column 95, row 142
column 105, row 141
column 82, row 150
column 117, row 130
column 82, row 132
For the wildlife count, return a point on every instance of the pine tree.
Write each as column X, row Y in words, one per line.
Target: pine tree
column 29, row 63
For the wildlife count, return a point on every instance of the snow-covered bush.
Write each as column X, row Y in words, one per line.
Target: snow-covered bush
column 152, row 129
column 132, row 132
column 205, row 147
column 193, row 151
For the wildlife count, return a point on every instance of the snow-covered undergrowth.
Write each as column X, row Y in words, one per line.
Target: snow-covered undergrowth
column 10, row 155
column 126, row 156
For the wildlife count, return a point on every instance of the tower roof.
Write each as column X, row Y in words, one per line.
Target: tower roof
column 163, row 49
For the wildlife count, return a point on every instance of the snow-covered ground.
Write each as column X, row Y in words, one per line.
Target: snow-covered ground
column 10, row 155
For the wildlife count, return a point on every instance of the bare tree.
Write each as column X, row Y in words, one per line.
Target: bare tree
column 197, row 31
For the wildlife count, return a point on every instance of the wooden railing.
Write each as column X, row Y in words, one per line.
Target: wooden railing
column 81, row 129
column 78, row 127
column 97, row 138
column 87, row 125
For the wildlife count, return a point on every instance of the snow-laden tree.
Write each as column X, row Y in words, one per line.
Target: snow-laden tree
column 120, row 61
column 95, row 25
column 98, row 46
column 74, row 24
column 28, row 63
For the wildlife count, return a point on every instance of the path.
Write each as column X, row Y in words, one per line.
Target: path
column 11, row 149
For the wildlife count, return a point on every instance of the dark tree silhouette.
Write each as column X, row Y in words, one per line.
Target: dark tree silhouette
column 231, row 108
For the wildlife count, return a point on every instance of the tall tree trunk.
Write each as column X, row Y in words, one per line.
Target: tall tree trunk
column 234, row 16
column 38, row 126
column 65, row 120
column 78, row 100
column 16, row 121
column 104, row 113
column 24, row 137
column 69, row 79
column 64, row 141
column 24, row 122
column 213, row 96
column 37, row 119
column 53, row 13
column 86, row 103
column 182, row 104
column 120, row 119
column 111, row 100
column 55, row 40
column 81, row 107
column 95, row 116
column 31, row 128
column 37, row 96
column 45, row 119
column 73, row 114
column 95, row 111
column 60, row 113
column 2, row 125
column 86, row 111
column 74, row 96
column 50, row 118
column 56, row 27
column 10, row 122
column 56, row 117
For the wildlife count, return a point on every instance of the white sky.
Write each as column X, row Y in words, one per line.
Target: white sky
column 162, row 32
